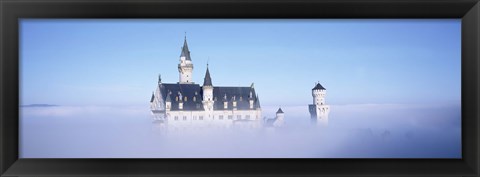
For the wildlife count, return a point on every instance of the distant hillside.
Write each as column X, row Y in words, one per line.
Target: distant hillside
column 39, row 105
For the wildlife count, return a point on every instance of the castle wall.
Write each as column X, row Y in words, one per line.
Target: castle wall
column 216, row 118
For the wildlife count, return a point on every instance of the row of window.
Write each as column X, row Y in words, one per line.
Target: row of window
column 195, row 98
column 230, row 117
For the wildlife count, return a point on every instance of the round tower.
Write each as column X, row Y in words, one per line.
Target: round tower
column 185, row 67
column 279, row 118
column 318, row 93
column 280, row 115
column 319, row 110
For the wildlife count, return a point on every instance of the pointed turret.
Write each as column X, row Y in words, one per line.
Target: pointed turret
column 185, row 67
column 153, row 97
column 185, row 52
column 207, row 81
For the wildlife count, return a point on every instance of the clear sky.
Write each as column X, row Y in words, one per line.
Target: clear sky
column 116, row 62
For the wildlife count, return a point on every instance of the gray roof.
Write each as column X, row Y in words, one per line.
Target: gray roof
column 318, row 87
column 185, row 52
column 240, row 94
column 207, row 81
column 185, row 90
column 279, row 110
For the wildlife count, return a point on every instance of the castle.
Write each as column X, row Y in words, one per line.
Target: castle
column 183, row 104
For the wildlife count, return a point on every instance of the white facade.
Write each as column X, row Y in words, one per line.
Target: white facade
column 319, row 110
column 185, row 70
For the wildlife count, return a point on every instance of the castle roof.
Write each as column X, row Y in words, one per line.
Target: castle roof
column 238, row 94
column 279, row 110
column 318, row 87
column 176, row 93
column 185, row 52
column 207, row 81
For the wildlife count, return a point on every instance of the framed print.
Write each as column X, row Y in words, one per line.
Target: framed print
column 250, row 88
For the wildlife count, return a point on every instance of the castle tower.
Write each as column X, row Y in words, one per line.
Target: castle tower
column 185, row 67
column 319, row 110
column 279, row 118
column 207, row 92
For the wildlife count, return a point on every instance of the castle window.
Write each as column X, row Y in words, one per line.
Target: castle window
column 176, row 98
column 194, row 99
column 176, row 118
column 239, row 117
column 184, row 117
column 230, row 117
column 220, row 117
column 200, row 118
column 186, row 98
column 247, row 117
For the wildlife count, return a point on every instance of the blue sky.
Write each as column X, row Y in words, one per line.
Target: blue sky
column 116, row 62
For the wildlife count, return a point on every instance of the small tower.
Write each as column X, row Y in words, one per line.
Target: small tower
column 319, row 110
column 207, row 92
column 279, row 118
column 185, row 67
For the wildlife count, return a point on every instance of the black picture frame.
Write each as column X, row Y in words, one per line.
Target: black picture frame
column 12, row 10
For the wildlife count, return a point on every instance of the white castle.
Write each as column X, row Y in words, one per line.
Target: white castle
column 186, row 104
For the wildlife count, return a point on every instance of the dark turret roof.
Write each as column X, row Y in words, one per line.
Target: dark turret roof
column 318, row 87
column 153, row 97
column 185, row 51
column 279, row 110
column 207, row 81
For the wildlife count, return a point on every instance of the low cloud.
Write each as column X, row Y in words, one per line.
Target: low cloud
column 354, row 131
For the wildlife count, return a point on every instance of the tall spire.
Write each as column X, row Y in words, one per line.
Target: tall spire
column 185, row 51
column 207, row 81
column 159, row 78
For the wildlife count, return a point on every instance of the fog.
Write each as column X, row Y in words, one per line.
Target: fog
column 354, row 131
